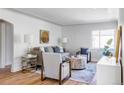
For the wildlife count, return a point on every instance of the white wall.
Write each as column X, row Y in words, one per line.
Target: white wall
column 28, row 25
column 80, row 35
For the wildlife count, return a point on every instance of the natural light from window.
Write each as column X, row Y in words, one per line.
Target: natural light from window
column 100, row 37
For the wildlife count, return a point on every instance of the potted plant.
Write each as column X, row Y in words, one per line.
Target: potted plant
column 106, row 50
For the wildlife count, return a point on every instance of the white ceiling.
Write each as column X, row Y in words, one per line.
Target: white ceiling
column 71, row 16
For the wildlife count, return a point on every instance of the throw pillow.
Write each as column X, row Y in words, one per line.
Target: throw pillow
column 46, row 49
column 42, row 49
column 50, row 49
column 61, row 49
column 56, row 49
column 84, row 50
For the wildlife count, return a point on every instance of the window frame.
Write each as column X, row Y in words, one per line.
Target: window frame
column 99, row 36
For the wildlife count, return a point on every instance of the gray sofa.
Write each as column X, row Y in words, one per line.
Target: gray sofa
column 49, row 49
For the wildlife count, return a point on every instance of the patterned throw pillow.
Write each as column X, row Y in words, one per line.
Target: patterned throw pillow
column 50, row 49
column 46, row 49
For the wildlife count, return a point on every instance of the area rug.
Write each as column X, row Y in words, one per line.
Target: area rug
column 87, row 75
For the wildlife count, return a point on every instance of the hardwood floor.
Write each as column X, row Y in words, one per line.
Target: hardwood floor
column 31, row 78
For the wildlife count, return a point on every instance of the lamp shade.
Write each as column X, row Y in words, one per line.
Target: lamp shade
column 28, row 38
column 65, row 40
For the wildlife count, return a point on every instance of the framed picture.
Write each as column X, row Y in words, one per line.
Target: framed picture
column 44, row 36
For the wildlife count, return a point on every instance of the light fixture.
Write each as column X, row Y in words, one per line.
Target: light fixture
column 65, row 40
column 28, row 39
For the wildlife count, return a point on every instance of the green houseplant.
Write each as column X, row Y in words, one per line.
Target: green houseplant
column 106, row 50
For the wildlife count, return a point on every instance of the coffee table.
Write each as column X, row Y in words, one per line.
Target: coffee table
column 78, row 62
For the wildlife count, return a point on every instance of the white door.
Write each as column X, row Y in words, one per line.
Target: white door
column 6, row 44
column 2, row 44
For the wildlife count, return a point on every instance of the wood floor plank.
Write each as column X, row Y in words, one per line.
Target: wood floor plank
column 30, row 78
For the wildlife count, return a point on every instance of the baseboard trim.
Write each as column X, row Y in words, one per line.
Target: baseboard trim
column 16, row 69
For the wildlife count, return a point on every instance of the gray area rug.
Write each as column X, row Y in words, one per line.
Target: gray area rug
column 87, row 75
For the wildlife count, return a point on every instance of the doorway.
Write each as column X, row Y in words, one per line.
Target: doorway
column 6, row 44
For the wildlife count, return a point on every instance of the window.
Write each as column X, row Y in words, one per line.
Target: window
column 100, row 37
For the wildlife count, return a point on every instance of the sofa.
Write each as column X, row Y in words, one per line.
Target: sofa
column 48, row 49
column 56, row 49
column 38, row 52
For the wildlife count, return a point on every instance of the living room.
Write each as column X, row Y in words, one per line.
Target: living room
column 70, row 32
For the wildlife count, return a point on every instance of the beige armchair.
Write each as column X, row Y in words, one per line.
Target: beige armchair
column 55, row 68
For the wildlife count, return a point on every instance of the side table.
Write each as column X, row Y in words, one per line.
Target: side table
column 29, row 62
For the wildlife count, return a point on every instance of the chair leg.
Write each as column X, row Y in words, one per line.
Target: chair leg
column 60, row 82
column 60, row 74
column 70, row 69
column 42, row 76
column 36, row 67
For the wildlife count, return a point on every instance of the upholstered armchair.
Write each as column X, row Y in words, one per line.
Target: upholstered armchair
column 55, row 67
column 85, row 51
